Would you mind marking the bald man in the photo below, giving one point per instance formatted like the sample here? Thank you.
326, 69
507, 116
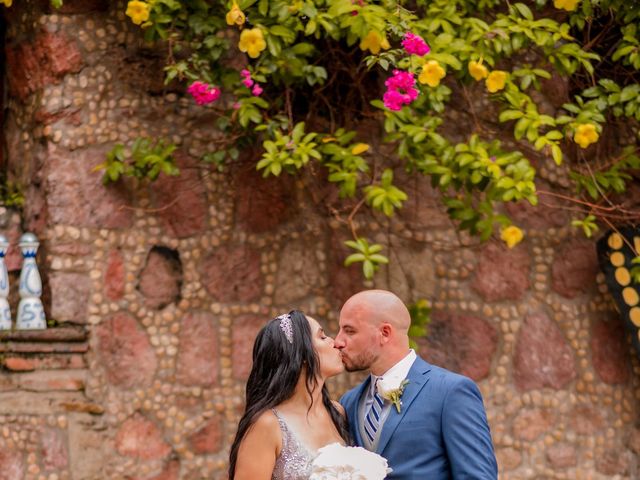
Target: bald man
436, 428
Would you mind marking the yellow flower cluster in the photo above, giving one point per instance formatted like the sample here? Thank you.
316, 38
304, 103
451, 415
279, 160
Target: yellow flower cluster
138, 11
512, 236
431, 73
477, 70
374, 42
252, 42
586, 134
496, 80
568, 5
235, 16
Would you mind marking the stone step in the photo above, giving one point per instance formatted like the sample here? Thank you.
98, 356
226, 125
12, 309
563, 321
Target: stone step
37, 347
55, 334
51, 361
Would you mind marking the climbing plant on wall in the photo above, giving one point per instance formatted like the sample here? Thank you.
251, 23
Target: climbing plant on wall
314, 69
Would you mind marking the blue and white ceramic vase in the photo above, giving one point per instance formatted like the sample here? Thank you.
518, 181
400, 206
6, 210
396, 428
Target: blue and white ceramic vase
5, 311
30, 311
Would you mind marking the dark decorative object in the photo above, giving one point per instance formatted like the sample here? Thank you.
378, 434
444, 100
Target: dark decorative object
616, 251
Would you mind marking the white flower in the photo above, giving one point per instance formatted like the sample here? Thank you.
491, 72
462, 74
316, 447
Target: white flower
336, 462
391, 388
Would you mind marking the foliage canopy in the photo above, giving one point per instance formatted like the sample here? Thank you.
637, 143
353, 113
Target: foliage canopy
316, 70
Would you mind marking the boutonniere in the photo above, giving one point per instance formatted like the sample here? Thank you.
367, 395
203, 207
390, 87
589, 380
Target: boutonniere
392, 390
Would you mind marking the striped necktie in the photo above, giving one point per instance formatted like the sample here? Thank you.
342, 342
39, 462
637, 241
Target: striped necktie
372, 419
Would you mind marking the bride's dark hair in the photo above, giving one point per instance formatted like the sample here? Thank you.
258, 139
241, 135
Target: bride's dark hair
277, 365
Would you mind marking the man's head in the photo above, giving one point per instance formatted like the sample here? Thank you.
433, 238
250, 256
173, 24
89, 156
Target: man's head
373, 331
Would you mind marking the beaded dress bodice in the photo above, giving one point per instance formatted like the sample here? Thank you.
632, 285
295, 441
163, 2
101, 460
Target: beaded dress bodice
294, 461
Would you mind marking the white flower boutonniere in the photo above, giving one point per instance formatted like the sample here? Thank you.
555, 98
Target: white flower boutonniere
392, 389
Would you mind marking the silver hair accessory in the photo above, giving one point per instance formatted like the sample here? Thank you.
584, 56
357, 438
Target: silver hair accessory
285, 326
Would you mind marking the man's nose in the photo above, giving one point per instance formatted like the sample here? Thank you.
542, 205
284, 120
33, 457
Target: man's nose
338, 342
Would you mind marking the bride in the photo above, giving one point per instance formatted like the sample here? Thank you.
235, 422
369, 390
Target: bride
288, 414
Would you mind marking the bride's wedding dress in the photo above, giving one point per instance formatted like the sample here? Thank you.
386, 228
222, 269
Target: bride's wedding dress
294, 461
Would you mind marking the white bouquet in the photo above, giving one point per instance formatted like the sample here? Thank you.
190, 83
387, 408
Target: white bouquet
336, 462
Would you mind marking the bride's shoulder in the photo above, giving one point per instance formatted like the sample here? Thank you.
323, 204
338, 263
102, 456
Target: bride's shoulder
267, 421
338, 407
265, 429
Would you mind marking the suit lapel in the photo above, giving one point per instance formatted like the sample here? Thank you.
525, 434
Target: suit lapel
352, 413
418, 378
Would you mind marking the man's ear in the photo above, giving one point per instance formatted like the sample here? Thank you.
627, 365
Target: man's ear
386, 330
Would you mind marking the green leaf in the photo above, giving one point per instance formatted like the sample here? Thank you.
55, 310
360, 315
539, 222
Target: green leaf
524, 10
510, 115
556, 153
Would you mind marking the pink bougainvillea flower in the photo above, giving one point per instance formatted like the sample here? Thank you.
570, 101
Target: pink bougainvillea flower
247, 81
400, 80
393, 100
203, 93
401, 90
257, 90
415, 45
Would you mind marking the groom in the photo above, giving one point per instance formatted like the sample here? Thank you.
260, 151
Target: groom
427, 422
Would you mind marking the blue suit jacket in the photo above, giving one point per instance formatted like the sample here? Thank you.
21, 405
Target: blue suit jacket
441, 431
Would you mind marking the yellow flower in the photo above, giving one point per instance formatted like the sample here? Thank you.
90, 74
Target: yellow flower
431, 73
235, 16
252, 42
568, 5
511, 236
477, 70
138, 11
7, 3
585, 135
496, 80
373, 42
359, 148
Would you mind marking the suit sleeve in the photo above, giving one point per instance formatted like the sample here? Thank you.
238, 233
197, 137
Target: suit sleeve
466, 433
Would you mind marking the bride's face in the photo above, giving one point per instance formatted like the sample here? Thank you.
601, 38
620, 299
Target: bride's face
329, 356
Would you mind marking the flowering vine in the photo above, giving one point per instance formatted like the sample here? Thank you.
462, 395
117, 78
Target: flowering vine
305, 73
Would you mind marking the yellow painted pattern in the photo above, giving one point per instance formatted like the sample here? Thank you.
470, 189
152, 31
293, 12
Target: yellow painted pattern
617, 259
615, 241
634, 315
623, 277
630, 296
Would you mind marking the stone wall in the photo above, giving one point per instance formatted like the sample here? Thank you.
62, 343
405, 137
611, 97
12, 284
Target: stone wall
156, 291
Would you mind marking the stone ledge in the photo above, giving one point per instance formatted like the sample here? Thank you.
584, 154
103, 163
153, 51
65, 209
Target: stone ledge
55, 347
25, 362
54, 334
58, 340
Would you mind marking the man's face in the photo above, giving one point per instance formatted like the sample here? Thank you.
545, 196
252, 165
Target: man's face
357, 340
